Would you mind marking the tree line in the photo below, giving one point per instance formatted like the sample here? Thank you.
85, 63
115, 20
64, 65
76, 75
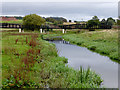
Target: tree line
34, 21
95, 22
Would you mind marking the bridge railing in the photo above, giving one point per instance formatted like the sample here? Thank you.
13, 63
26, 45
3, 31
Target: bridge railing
72, 26
85, 26
9, 25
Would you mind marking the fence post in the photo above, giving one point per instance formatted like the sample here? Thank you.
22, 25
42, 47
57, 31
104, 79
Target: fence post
41, 30
63, 31
19, 30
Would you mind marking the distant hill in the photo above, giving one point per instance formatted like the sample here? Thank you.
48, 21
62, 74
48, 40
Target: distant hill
19, 17
53, 19
59, 19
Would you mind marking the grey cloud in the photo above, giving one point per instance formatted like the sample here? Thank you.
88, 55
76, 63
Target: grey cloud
66, 9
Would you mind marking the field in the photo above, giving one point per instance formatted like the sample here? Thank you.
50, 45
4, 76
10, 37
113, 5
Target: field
16, 22
30, 62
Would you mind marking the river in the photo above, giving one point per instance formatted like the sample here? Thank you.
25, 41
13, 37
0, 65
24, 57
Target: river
80, 56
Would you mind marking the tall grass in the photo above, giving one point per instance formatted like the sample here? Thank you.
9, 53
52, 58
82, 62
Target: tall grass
105, 43
34, 63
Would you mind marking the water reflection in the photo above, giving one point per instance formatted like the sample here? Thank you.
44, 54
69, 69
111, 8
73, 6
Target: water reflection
80, 56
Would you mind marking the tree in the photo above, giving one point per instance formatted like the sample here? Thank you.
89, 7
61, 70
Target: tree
110, 21
56, 20
64, 20
93, 22
33, 21
70, 20
95, 18
50, 20
118, 22
103, 22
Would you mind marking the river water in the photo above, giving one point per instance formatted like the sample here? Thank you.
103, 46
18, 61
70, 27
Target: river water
80, 56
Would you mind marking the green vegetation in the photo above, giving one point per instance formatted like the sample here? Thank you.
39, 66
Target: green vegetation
104, 42
110, 21
56, 20
30, 62
33, 21
16, 22
95, 22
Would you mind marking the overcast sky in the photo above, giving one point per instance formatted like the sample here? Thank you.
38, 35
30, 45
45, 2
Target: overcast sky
60, 0
75, 10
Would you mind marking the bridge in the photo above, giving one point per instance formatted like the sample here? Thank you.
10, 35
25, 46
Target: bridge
48, 27
9, 25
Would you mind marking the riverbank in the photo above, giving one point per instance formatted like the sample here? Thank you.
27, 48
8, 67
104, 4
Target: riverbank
81, 56
30, 62
104, 42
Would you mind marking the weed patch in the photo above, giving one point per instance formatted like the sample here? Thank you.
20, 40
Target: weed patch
36, 64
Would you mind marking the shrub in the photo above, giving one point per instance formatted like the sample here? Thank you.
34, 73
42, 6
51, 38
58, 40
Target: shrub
92, 47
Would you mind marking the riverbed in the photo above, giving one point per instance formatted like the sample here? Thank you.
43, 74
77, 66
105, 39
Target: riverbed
81, 56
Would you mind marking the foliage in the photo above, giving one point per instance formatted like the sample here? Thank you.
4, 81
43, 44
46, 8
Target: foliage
103, 22
56, 20
118, 22
34, 63
110, 21
18, 17
50, 20
70, 20
93, 22
105, 43
33, 21
95, 18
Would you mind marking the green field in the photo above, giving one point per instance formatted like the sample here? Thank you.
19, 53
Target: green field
30, 62
16, 22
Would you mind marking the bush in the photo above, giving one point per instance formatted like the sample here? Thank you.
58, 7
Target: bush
92, 47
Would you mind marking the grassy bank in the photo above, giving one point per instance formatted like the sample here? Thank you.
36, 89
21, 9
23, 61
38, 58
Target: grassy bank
104, 42
30, 62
